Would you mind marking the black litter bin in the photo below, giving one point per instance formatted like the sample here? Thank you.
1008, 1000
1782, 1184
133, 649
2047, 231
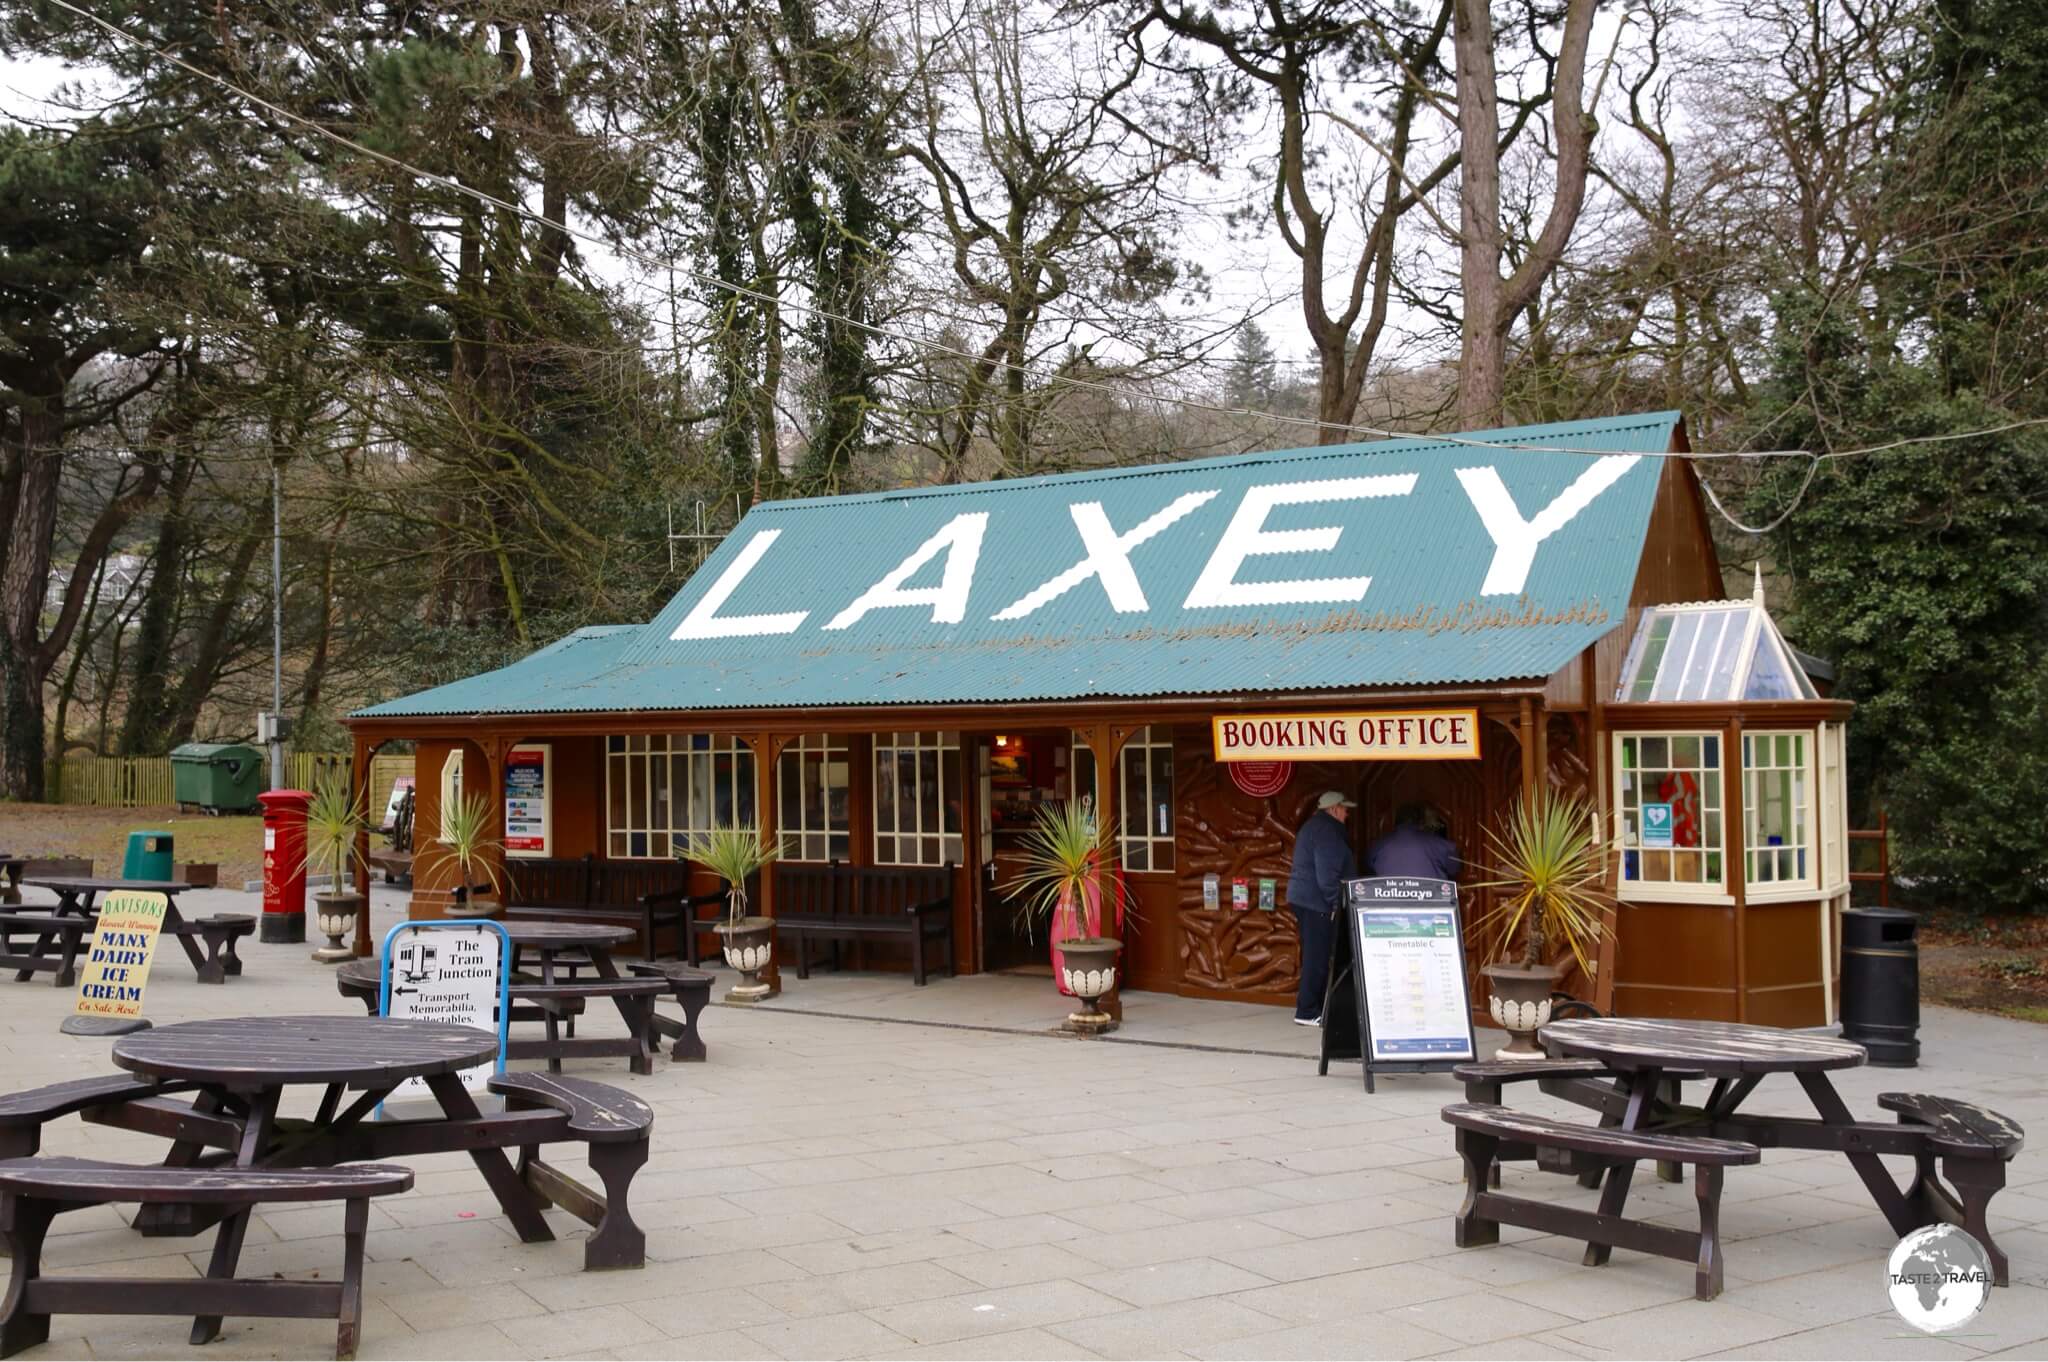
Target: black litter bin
1881, 984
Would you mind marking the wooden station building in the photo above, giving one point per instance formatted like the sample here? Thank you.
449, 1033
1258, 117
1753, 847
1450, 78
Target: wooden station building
903, 677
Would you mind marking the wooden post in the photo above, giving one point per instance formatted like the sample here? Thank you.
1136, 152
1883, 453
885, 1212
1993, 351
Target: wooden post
359, 790
767, 755
1525, 729
1735, 859
1107, 741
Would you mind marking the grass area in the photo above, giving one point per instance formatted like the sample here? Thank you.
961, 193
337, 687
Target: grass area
234, 843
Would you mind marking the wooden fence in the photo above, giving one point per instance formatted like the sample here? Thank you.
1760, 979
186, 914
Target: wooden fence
138, 782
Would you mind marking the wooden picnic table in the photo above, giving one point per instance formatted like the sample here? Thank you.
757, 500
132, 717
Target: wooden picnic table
559, 950
1737, 1057
76, 895
242, 1066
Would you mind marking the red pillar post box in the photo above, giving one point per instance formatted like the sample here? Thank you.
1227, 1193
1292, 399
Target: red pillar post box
284, 865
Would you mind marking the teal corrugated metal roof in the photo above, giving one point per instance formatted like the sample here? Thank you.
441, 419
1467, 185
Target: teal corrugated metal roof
1402, 562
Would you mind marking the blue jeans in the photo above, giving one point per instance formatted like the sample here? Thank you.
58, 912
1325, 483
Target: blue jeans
1315, 960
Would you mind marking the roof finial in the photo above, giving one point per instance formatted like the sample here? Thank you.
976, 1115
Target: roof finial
1758, 594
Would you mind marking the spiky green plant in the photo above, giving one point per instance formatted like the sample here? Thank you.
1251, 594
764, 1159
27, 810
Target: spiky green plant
1550, 866
334, 818
466, 839
1066, 863
735, 854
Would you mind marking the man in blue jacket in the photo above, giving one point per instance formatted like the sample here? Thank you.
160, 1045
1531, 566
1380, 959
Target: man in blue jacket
1315, 890
1416, 847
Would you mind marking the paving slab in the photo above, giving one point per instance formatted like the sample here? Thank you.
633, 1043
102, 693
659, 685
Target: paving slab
863, 1167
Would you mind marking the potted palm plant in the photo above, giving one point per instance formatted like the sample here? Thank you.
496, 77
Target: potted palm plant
736, 855
1068, 881
1550, 866
466, 840
334, 819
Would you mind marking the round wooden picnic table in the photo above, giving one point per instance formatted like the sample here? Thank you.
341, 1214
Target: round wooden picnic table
1737, 1057
242, 1065
251, 1054
562, 936
1716, 1049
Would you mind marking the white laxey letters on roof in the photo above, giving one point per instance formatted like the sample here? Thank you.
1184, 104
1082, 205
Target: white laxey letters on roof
1248, 537
1515, 539
960, 541
1107, 553
1108, 558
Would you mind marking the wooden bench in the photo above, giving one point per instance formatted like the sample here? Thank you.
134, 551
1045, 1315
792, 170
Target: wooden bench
220, 933
23, 1114
841, 903
587, 889
46, 927
1484, 1080
618, 1128
1484, 1128
634, 998
692, 991
33, 1192
1974, 1145
692, 920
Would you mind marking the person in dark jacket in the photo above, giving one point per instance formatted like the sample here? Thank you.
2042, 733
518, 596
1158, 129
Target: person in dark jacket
1417, 846
1315, 890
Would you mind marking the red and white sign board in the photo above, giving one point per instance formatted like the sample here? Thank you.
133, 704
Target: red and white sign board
527, 775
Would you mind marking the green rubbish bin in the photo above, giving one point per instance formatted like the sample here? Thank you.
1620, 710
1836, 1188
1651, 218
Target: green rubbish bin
218, 777
149, 856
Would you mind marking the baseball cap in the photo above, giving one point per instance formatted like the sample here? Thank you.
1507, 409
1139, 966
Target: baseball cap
1332, 798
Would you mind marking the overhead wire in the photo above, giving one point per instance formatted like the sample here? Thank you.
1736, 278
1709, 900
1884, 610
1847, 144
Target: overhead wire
1122, 392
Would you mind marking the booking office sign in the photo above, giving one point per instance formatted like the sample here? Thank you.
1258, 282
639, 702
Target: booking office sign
455, 971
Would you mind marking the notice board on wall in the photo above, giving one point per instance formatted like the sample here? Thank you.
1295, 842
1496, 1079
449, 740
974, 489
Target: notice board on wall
527, 824
1397, 996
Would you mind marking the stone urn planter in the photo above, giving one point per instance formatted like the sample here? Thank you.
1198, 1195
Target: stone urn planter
1088, 969
1518, 997
335, 914
749, 946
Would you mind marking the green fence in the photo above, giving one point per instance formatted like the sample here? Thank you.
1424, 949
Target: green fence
138, 782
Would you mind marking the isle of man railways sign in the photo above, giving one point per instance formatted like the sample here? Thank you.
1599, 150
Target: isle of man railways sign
1367, 735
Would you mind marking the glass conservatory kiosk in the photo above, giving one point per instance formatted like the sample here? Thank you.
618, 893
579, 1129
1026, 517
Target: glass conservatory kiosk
1729, 798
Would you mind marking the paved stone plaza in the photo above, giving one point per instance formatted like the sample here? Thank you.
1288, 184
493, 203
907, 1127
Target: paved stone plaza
832, 1184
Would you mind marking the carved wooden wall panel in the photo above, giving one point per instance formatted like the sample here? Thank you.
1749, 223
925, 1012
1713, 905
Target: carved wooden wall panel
1221, 830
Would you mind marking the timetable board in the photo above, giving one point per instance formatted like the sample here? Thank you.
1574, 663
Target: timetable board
1397, 996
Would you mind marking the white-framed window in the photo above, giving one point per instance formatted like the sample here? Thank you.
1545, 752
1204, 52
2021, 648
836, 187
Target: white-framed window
812, 782
1684, 847
917, 799
1145, 805
662, 787
1834, 806
1777, 810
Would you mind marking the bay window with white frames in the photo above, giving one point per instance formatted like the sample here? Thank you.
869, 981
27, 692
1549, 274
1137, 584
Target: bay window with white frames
1778, 814
1668, 812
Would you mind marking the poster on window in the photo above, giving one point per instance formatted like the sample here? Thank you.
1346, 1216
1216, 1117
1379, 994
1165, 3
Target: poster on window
526, 801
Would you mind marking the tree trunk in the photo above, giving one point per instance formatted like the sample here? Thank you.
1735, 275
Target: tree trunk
1491, 302
204, 668
24, 587
142, 731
